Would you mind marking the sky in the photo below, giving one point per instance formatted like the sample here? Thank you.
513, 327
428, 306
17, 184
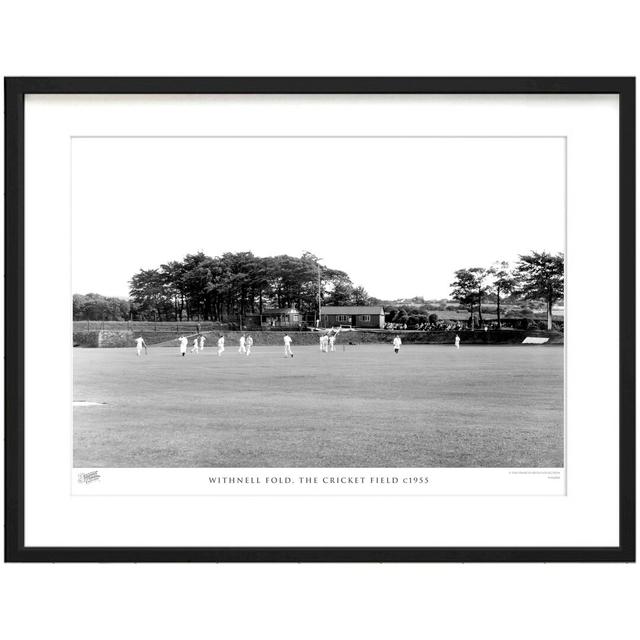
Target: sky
399, 215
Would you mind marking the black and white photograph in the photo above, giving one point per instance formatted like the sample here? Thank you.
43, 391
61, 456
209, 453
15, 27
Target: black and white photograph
318, 301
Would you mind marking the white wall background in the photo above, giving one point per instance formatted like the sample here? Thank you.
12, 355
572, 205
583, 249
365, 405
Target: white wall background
329, 38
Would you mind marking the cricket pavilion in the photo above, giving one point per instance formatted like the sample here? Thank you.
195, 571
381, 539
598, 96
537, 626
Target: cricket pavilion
371, 317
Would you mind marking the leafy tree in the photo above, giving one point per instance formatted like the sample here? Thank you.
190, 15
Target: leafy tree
93, 306
401, 316
235, 284
541, 277
463, 289
469, 288
503, 284
360, 297
482, 287
148, 290
342, 294
174, 281
198, 285
390, 313
78, 307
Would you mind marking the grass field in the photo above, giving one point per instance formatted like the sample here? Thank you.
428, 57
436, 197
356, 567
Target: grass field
430, 406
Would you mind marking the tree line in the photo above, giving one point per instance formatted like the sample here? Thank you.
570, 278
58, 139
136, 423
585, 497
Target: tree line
538, 276
202, 287
93, 306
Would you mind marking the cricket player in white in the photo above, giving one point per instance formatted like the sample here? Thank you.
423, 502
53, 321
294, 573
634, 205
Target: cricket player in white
202, 339
194, 348
287, 345
396, 344
249, 345
242, 348
457, 341
183, 345
139, 344
332, 340
220, 345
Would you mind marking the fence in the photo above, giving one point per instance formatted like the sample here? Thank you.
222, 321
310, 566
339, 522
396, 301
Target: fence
146, 326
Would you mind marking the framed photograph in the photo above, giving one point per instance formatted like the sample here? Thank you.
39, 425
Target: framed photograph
320, 319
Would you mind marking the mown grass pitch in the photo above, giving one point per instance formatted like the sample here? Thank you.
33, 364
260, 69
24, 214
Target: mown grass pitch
429, 406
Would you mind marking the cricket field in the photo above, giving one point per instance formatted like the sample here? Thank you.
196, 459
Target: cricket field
362, 406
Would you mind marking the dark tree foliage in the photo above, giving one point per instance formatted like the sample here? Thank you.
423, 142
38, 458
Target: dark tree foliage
222, 288
360, 297
470, 287
463, 289
504, 283
202, 287
93, 306
540, 276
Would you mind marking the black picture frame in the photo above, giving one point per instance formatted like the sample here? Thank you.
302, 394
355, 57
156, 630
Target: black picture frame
15, 91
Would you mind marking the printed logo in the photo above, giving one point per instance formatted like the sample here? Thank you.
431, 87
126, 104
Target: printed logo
86, 478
